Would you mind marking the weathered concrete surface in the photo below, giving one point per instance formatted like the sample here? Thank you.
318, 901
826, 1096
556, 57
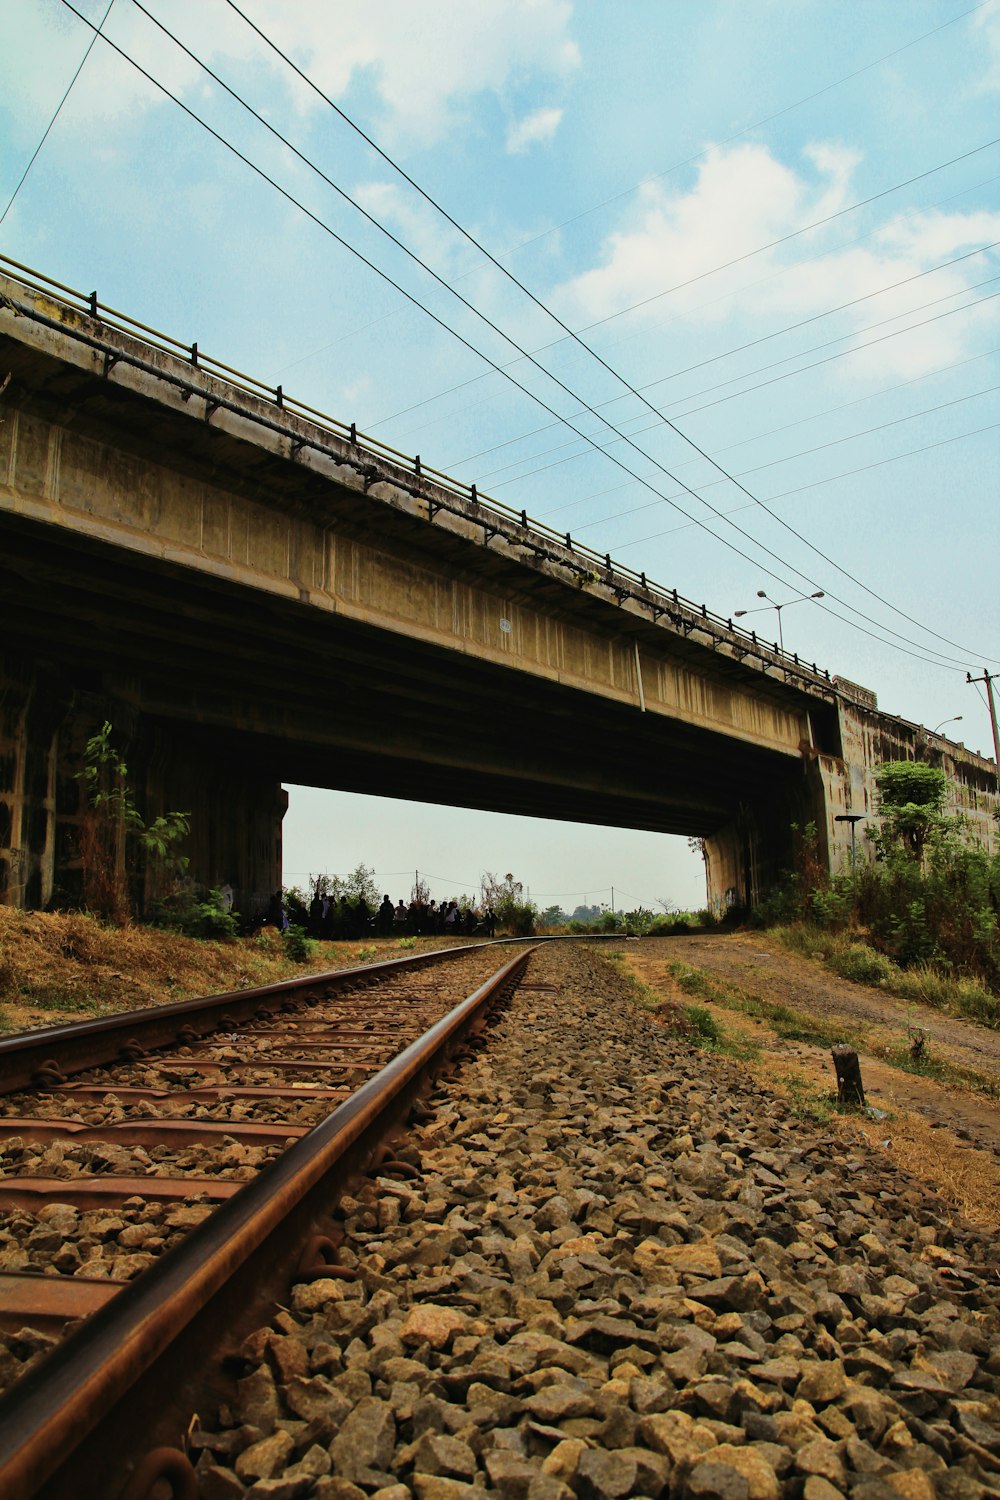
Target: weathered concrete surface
273, 602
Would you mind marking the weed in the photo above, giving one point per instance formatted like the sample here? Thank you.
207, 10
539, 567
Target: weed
407, 942
298, 946
862, 964
923, 1064
808, 1100
365, 955
705, 1029
692, 981
63, 1000
793, 1025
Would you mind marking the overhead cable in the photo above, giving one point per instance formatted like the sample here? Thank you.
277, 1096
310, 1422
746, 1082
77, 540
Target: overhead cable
748, 390
58, 109
454, 333
588, 349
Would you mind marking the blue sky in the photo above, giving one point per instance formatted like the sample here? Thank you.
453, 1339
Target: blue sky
777, 221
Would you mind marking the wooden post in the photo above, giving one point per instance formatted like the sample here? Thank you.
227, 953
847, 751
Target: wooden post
850, 1089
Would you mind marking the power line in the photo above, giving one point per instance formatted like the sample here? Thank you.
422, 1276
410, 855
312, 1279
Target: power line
787, 458
806, 260
62, 101
815, 484
748, 374
415, 301
757, 437
726, 140
587, 348
428, 198
775, 334
454, 333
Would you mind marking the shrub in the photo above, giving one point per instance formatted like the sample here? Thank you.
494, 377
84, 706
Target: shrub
299, 947
196, 916
862, 964
507, 901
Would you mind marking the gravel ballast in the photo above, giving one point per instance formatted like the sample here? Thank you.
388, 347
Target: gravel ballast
621, 1269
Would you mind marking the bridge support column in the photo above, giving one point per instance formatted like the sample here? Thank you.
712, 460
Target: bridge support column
746, 859
235, 803
30, 710
235, 808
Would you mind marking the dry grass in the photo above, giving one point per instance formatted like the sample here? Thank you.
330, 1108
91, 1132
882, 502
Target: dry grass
63, 966
966, 1179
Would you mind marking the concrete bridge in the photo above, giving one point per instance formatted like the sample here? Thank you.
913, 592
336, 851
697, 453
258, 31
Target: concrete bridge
252, 594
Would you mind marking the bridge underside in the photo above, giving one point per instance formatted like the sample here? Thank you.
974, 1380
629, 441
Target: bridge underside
223, 692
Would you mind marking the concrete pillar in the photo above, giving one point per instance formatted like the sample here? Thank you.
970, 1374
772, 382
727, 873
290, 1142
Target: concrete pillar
747, 857
236, 803
31, 706
235, 806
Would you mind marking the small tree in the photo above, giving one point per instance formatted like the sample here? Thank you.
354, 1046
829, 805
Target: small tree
111, 823
507, 899
911, 799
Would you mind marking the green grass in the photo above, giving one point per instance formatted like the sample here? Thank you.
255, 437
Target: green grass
810, 1101
65, 1000
793, 1025
708, 1032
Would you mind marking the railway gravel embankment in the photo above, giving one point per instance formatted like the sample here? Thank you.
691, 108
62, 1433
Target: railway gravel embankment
622, 1268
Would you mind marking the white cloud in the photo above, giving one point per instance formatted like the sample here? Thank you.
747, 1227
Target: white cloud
540, 125
987, 23
427, 62
745, 198
742, 198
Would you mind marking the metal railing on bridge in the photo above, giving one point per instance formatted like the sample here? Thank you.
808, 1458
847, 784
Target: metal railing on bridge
593, 566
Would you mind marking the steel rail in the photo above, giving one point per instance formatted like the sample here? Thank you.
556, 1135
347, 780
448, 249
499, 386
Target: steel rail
135, 1365
78, 1045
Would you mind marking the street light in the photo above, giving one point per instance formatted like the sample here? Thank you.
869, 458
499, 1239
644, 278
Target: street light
956, 720
778, 607
854, 819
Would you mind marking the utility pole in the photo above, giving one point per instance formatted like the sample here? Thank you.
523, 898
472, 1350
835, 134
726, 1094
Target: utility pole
988, 678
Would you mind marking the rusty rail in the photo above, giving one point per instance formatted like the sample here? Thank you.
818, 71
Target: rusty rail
80, 1045
139, 1365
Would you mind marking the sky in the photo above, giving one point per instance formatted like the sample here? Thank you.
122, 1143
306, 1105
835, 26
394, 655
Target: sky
772, 226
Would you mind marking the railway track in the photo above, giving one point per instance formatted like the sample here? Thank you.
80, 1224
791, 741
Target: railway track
168, 1175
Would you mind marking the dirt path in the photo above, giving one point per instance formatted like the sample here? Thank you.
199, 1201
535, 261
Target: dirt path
753, 961
947, 1133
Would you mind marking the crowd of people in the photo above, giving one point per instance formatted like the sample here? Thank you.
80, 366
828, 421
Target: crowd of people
346, 919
